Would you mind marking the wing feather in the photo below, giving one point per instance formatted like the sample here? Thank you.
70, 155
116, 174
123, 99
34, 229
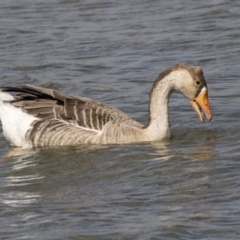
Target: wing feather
80, 111
83, 112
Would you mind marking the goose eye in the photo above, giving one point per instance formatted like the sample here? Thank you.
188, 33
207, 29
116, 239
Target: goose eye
198, 83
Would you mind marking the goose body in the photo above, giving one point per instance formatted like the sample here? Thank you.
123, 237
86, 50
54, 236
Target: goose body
37, 116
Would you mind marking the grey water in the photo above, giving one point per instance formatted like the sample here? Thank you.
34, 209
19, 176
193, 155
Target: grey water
112, 51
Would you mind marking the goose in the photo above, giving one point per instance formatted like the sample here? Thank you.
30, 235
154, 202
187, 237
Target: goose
34, 116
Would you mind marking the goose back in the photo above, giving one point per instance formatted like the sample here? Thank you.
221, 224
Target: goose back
63, 119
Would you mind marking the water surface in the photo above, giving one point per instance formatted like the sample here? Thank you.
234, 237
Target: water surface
112, 51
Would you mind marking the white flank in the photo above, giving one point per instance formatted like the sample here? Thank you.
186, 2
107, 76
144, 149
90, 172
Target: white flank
15, 122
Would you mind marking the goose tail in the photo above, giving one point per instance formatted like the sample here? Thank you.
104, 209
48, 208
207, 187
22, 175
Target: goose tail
15, 122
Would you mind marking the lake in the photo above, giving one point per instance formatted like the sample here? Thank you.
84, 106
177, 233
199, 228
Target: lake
185, 188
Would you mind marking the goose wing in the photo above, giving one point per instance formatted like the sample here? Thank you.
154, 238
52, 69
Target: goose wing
47, 104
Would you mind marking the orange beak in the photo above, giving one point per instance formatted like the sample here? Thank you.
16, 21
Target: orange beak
201, 103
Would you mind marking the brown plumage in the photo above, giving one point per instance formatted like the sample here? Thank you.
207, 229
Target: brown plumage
61, 119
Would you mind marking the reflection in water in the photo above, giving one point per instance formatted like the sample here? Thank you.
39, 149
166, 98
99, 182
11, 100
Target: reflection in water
20, 178
165, 150
162, 147
16, 153
18, 199
29, 167
203, 151
161, 150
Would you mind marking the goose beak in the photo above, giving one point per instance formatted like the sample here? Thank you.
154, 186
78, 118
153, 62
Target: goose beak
201, 104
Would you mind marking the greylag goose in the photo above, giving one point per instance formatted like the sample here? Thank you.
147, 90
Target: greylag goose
36, 116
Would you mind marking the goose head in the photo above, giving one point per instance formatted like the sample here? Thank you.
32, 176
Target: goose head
191, 83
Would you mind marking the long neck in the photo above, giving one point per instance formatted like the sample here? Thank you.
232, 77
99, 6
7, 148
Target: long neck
158, 126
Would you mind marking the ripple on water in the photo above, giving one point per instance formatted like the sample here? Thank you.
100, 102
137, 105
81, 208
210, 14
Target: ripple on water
184, 188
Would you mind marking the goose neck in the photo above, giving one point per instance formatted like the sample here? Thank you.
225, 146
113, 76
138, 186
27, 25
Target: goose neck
159, 126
